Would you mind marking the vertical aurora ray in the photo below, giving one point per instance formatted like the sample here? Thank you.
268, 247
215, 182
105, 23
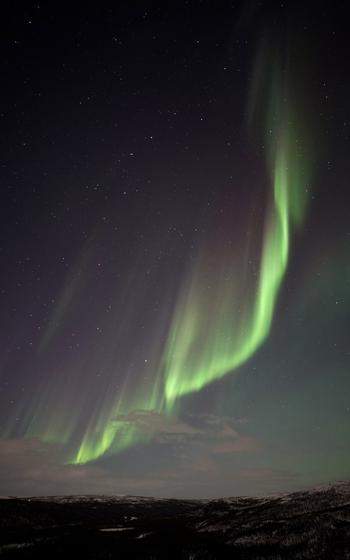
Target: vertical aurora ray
215, 331
113, 431
207, 341
110, 435
222, 316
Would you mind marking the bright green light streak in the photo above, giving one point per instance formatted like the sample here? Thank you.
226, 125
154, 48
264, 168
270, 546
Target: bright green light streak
211, 333
193, 359
113, 433
113, 437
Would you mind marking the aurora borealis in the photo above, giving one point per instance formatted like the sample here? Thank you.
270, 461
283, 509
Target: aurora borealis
175, 241
226, 335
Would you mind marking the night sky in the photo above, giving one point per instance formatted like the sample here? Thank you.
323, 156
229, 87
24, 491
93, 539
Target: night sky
175, 241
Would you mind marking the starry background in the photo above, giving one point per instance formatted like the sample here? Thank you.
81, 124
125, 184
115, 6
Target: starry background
124, 154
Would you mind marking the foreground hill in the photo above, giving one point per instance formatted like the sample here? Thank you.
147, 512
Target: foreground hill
312, 524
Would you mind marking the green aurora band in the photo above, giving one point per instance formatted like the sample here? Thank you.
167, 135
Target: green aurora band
207, 339
114, 432
226, 345
216, 325
210, 336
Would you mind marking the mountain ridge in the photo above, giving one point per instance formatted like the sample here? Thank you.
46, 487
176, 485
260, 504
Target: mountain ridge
312, 524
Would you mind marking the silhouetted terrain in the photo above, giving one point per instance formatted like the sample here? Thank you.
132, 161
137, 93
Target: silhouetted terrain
312, 524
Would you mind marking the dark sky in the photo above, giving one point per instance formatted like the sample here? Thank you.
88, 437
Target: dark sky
175, 236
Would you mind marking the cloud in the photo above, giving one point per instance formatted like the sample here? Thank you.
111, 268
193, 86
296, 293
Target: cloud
215, 462
156, 425
29, 467
193, 456
267, 475
218, 434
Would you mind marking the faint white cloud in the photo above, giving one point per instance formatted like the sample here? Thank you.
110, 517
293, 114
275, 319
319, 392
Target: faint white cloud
29, 467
